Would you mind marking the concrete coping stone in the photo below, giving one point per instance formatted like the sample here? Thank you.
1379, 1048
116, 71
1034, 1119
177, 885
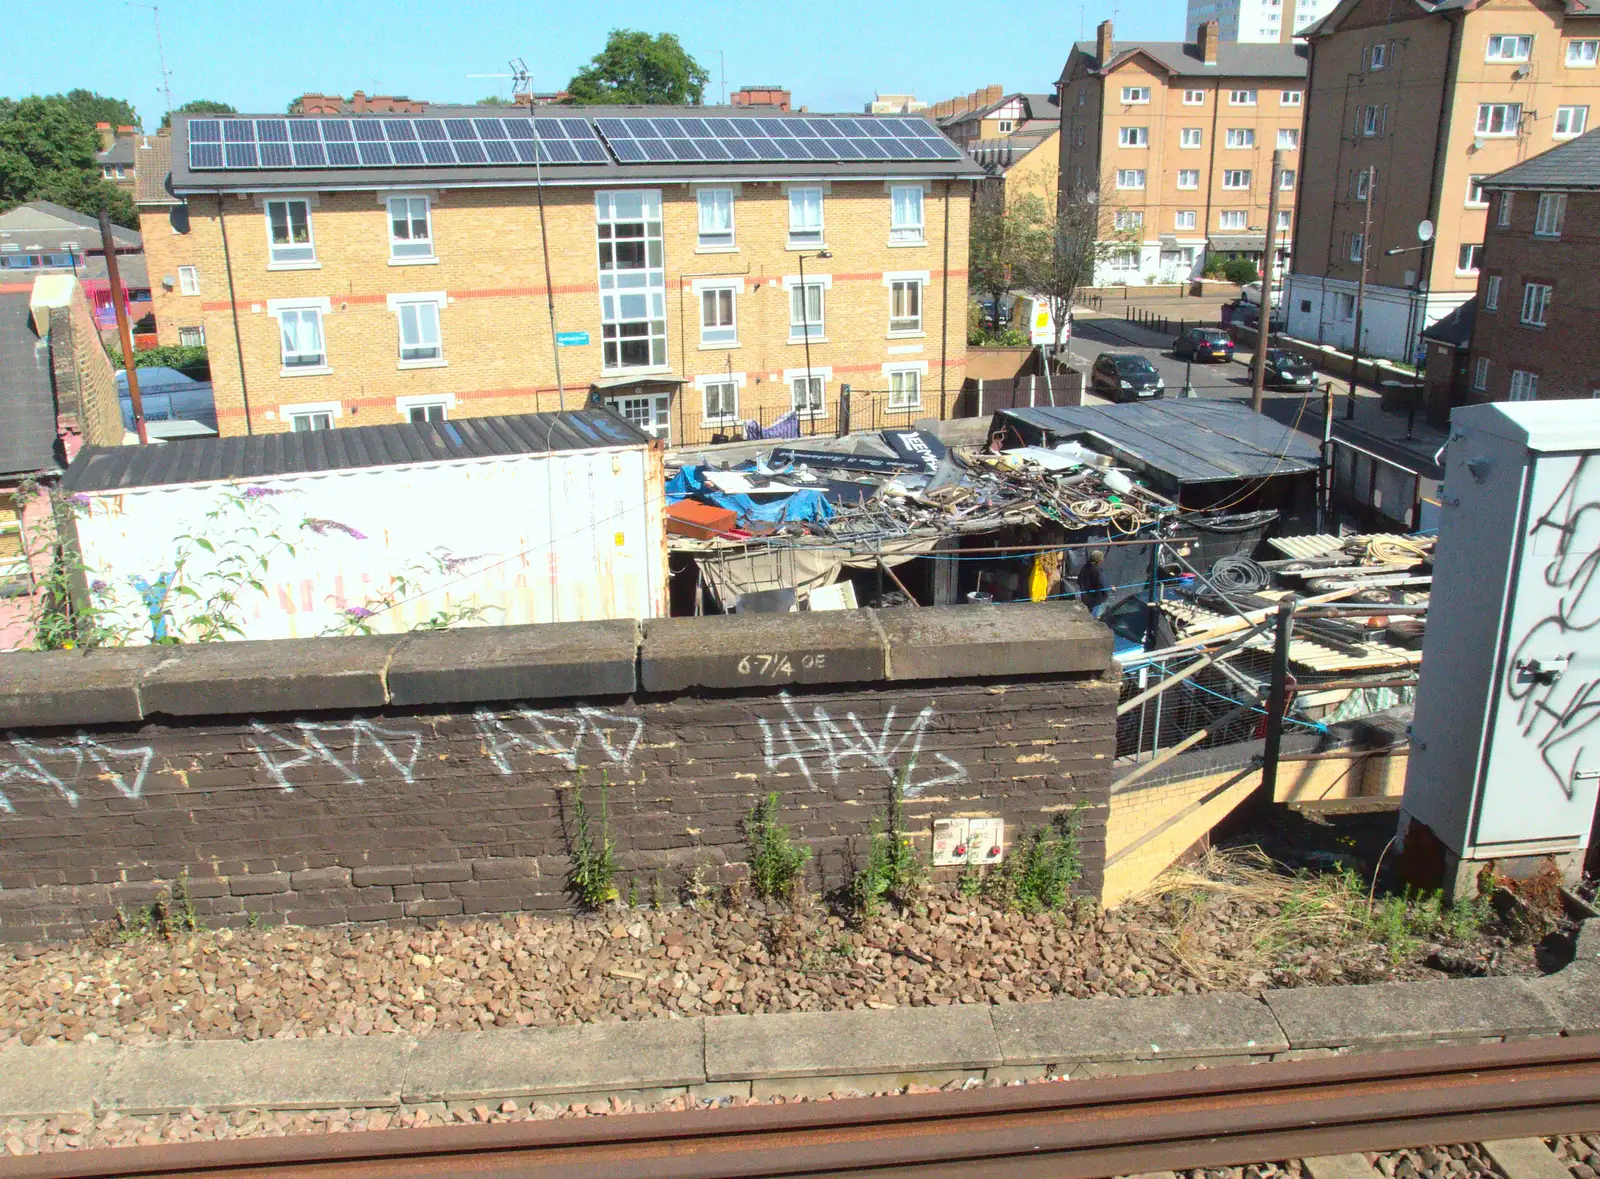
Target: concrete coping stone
761, 650
1394, 1013
945, 642
270, 675
48, 688
533, 662
835, 1043
1169, 1027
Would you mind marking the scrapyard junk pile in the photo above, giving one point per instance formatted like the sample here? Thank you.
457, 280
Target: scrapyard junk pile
795, 519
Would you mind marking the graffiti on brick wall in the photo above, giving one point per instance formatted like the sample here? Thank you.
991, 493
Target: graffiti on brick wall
339, 744
818, 746
561, 735
59, 766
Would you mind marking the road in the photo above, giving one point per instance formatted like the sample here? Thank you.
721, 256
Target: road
1094, 335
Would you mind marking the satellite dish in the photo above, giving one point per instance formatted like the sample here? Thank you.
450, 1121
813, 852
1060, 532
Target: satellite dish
1425, 231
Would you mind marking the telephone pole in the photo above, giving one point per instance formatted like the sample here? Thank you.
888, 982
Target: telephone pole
129, 365
1371, 177
1258, 370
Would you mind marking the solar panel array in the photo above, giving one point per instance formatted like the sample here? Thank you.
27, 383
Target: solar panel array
242, 144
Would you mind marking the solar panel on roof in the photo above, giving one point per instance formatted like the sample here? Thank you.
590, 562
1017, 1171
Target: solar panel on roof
310, 155
240, 155
590, 151
577, 128
239, 131
518, 128
397, 129
470, 153
628, 151
435, 152
375, 155
205, 155
459, 129
489, 128
335, 131
342, 155
276, 155
304, 131
560, 151
430, 129
205, 131
500, 151
368, 131
527, 150
665, 128
272, 131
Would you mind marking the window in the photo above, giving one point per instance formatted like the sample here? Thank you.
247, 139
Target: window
1535, 303
289, 240
1189, 178
1189, 137
1524, 385
1285, 219
1363, 178
1582, 55
419, 330
1467, 258
1491, 293
805, 311
1377, 55
1241, 98
1480, 373
1505, 47
1504, 218
1290, 98
1286, 180
1124, 260
410, 233
1128, 219
1236, 178
188, 280
1130, 178
905, 305
719, 401
1184, 219
1004, 126
1134, 137
1194, 98
1499, 118
1133, 94
1083, 96
300, 330
633, 288
1233, 219
805, 395
716, 218
1571, 120
905, 217
905, 388
428, 411
305, 423
1346, 304
805, 217
1476, 199
1369, 121
1552, 212
1241, 136
192, 337
719, 324
1288, 139
1356, 252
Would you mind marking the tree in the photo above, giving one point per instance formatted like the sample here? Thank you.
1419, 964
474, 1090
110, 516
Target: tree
635, 67
198, 106
1008, 240
47, 152
495, 100
95, 108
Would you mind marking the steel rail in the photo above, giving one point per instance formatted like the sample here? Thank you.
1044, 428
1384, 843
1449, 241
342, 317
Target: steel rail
1071, 1130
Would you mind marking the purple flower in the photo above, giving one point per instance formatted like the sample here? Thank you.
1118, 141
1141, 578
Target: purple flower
359, 613
99, 587
261, 492
80, 500
322, 527
456, 564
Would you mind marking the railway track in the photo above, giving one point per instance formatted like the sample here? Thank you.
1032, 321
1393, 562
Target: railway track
1075, 1130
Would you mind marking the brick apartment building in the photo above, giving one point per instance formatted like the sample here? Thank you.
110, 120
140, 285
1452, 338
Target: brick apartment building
116, 158
1435, 97
1537, 330
338, 292
1180, 136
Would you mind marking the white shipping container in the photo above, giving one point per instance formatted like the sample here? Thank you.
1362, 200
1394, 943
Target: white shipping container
551, 537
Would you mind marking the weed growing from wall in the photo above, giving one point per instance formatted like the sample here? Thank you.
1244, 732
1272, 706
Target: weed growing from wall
894, 870
594, 855
776, 864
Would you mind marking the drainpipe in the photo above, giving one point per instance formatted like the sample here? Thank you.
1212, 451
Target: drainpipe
944, 327
233, 304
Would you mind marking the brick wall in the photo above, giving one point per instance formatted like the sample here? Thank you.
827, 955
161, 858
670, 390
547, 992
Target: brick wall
426, 799
85, 380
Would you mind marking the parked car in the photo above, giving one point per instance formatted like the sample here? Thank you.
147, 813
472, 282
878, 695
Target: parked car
1125, 376
1285, 370
1244, 316
1251, 293
1203, 344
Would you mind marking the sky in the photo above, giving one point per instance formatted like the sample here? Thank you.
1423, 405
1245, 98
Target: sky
832, 54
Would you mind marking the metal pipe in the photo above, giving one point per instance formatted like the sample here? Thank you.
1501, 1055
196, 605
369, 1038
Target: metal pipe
1361, 283
119, 306
1277, 700
1189, 670
233, 307
1258, 367
549, 283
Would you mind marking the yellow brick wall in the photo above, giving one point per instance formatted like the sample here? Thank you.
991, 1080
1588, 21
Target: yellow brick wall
164, 251
495, 328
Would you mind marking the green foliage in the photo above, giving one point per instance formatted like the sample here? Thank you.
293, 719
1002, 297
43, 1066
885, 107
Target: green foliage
1008, 243
776, 864
92, 108
47, 152
894, 870
594, 857
171, 913
1235, 270
203, 106
184, 357
635, 67
495, 100
70, 608
401, 588
1400, 923
1043, 866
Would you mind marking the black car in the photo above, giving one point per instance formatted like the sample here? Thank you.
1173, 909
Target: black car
1203, 344
1124, 376
1285, 370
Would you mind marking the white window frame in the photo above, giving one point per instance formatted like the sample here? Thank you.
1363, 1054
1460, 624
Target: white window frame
1570, 122
1476, 258
1286, 179
1370, 124
1185, 219
1241, 138
1524, 385
290, 255
821, 377
1233, 220
1125, 177
1552, 214
1003, 126
805, 236
310, 410
322, 307
1345, 305
188, 280
1583, 53
410, 250
798, 332
1192, 175
903, 232
1133, 137
1520, 44
1475, 185
1378, 56
409, 306
1236, 179
1123, 260
1288, 139
1510, 120
446, 402
1491, 293
723, 336
1291, 98
715, 239
1191, 137
720, 380
1357, 241
1503, 214
908, 325
917, 372
1362, 183
1480, 373
1536, 304
1194, 98
1241, 98
1123, 220
199, 340
1135, 95
626, 291
1285, 219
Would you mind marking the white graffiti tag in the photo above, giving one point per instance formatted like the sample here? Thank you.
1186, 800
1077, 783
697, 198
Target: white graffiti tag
312, 749
558, 734
819, 745
31, 768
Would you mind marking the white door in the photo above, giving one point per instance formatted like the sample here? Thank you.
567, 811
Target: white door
649, 412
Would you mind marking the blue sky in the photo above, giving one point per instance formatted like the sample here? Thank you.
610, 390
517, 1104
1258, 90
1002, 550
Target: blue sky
831, 53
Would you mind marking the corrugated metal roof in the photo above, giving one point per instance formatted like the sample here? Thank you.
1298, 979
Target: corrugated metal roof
1192, 441
203, 460
27, 399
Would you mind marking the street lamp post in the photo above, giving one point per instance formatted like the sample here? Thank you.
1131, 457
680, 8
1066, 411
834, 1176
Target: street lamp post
805, 326
1425, 235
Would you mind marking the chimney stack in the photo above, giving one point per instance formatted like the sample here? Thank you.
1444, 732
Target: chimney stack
1103, 42
105, 135
993, 94
1207, 36
1286, 34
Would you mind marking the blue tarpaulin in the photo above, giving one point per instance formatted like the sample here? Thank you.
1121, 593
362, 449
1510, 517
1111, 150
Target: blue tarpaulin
805, 504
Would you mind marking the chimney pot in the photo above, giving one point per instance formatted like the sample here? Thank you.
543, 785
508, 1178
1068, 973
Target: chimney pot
1103, 42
